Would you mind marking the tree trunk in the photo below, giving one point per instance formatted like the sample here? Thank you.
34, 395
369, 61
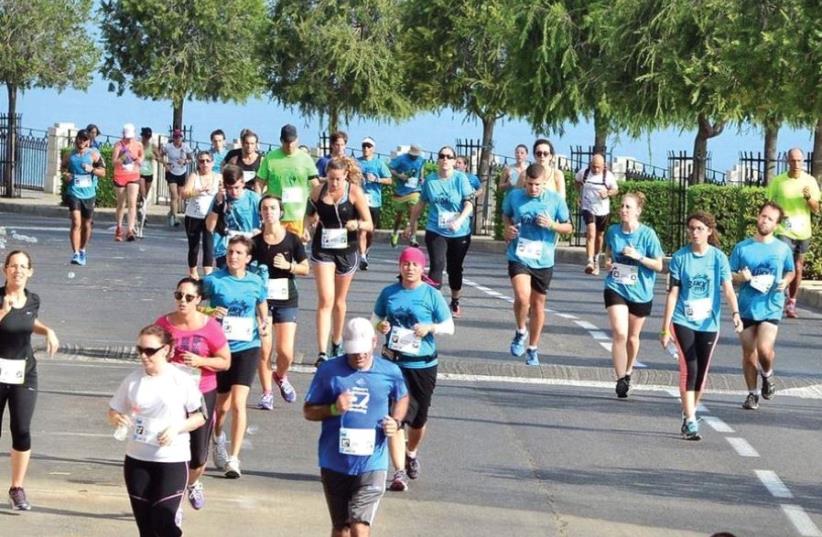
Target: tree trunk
486, 155
705, 131
10, 166
816, 166
771, 133
600, 133
177, 121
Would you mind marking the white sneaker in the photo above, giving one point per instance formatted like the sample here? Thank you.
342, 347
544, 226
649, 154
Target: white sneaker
219, 453
232, 468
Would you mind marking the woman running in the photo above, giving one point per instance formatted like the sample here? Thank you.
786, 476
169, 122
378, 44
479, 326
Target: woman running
200, 189
128, 157
202, 349
19, 309
511, 174
544, 155
448, 230
699, 275
284, 255
633, 257
156, 407
341, 212
176, 155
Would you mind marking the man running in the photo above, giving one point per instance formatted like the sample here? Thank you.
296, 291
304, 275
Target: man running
338, 141
248, 159
764, 267
596, 185
406, 170
375, 174
235, 212
798, 194
81, 170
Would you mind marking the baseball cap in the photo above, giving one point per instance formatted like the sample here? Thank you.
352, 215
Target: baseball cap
415, 150
368, 140
82, 134
176, 133
358, 336
128, 130
288, 133
146, 131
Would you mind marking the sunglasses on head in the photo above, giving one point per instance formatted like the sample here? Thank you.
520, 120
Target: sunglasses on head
180, 296
542, 153
148, 351
443, 156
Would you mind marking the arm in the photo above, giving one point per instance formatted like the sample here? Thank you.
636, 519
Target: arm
262, 318
319, 412
64, 167
668, 314
505, 180
730, 298
211, 221
652, 263
99, 166
361, 205
559, 177
52, 343
445, 328
221, 361
188, 189
510, 231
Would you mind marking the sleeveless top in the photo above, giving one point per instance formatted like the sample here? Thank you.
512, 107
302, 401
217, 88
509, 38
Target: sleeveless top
333, 217
200, 205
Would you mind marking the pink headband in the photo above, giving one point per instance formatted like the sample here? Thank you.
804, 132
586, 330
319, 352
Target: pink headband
414, 255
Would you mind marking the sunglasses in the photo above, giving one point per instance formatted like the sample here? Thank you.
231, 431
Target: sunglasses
179, 296
368, 145
206, 161
542, 153
148, 351
443, 156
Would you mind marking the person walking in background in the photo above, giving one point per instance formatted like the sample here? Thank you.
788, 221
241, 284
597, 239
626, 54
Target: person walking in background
199, 192
375, 175
511, 174
406, 171
176, 155
595, 184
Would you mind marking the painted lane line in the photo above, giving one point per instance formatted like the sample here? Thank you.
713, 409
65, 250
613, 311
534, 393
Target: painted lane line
740, 445
801, 521
718, 425
599, 336
586, 325
774, 485
567, 316
609, 347
701, 408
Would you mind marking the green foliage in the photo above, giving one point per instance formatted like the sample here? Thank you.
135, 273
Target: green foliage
106, 195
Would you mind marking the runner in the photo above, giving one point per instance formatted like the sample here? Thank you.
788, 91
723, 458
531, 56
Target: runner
798, 194
633, 257
360, 402
248, 159
338, 142
150, 154
156, 407
699, 274
595, 185
533, 218
461, 165
239, 299
93, 132
375, 174
200, 349
199, 191
341, 213
511, 174
128, 157
217, 150
406, 170
176, 155
544, 155
236, 151
235, 211
764, 267
288, 173
82, 169
284, 256
19, 309
410, 313
447, 232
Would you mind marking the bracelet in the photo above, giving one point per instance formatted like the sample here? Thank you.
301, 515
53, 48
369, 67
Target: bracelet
664, 333
734, 313
334, 410
291, 268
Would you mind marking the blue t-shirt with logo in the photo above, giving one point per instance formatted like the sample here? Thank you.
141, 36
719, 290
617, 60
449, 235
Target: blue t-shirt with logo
217, 158
404, 308
445, 198
410, 166
535, 245
83, 184
373, 189
474, 180
700, 279
629, 278
373, 390
240, 297
242, 215
759, 299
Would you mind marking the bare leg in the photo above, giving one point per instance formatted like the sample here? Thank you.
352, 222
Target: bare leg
521, 284
537, 320
618, 316
324, 279
19, 466
341, 285
635, 325
239, 397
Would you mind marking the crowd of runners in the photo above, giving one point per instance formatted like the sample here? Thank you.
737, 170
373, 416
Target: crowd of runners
256, 222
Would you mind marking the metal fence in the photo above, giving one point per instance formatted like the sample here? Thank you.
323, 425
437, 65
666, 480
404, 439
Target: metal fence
752, 166
31, 156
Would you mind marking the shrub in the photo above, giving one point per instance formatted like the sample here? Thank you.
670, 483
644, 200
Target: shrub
106, 196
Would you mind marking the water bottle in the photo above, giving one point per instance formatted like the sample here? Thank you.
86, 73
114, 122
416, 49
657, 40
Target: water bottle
672, 350
121, 433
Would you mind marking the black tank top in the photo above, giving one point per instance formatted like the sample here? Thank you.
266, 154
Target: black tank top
334, 217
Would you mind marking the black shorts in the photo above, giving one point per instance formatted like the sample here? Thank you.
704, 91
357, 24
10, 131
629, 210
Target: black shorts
178, 180
199, 438
798, 247
352, 498
86, 207
345, 264
540, 277
281, 314
147, 178
601, 221
421, 384
637, 309
242, 370
375, 216
747, 323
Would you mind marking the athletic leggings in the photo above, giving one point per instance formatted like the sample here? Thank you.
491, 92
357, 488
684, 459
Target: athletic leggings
195, 228
448, 251
199, 437
695, 352
21, 399
155, 490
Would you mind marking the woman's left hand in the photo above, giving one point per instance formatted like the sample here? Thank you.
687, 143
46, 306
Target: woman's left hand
738, 324
352, 225
456, 224
422, 330
52, 343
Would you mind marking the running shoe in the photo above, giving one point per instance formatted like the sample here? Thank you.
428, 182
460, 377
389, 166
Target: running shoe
532, 357
595, 272
141, 211
589, 268
413, 243
790, 309
219, 452
768, 387
170, 220
395, 239
622, 387
456, 310
400, 482
83, 258
76, 259
363, 262
412, 467
627, 378
336, 349
518, 344
232, 468
266, 401
176, 221
751, 402
131, 236
287, 391
321, 358
118, 234
684, 426
691, 431
17, 499
196, 496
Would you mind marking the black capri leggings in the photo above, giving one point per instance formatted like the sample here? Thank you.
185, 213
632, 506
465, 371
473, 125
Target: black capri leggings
199, 437
155, 490
21, 399
448, 251
695, 352
195, 228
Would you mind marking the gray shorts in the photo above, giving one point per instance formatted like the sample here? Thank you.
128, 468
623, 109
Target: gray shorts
352, 498
798, 247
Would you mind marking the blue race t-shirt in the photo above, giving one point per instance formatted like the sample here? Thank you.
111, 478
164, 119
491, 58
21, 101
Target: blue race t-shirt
412, 167
373, 189
445, 198
474, 180
759, 299
535, 245
628, 277
242, 216
374, 390
403, 308
83, 184
240, 297
700, 279
217, 158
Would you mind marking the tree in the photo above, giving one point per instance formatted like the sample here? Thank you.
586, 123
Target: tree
335, 59
43, 43
186, 49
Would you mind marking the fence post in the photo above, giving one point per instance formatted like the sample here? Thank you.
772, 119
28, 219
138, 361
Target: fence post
60, 135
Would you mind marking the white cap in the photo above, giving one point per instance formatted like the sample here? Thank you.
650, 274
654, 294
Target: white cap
415, 150
129, 130
368, 140
358, 336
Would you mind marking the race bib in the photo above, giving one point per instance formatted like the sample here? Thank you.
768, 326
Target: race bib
370, 197
794, 223
412, 182
194, 372
198, 207
625, 274
82, 181
404, 340
12, 371
529, 249
698, 309
357, 441
249, 176
146, 430
334, 239
277, 289
445, 219
128, 167
231, 233
293, 194
762, 282
238, 328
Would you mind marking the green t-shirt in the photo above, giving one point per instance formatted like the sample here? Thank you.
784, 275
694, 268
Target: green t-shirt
287, 178
787, 193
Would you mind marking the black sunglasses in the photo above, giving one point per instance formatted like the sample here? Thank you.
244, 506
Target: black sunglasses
368, 145
179, 296
442, 156
148, 351
542, 153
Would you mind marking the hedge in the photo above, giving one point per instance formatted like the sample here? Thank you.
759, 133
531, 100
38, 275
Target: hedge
106, 196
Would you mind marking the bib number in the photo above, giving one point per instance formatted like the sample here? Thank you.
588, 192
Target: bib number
529, 249
82, 181
762, 282
698, 309
445, 219
334, 239
238, 328
12, 371
198, 207
357, 441
404, 340
231, 233
292, 195
795, 224
412, 182
128, 167
249, 176
277, 289
625, 274
146, 430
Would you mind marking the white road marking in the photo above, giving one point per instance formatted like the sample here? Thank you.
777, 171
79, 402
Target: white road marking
801, 521
718, 425
567, 316
807, 392
774, 485
586, 325
742, 447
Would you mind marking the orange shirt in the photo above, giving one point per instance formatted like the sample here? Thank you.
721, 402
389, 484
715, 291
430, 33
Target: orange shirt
127, 170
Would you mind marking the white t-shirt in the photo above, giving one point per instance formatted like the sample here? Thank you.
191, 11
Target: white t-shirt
592, 185
153, 402
199, 205
175, 155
